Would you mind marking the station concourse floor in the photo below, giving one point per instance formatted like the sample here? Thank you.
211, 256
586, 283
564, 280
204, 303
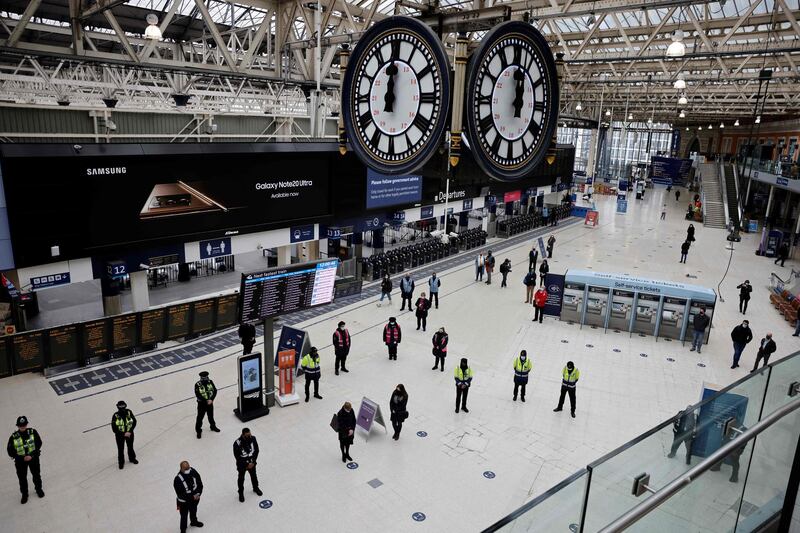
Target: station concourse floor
528, 447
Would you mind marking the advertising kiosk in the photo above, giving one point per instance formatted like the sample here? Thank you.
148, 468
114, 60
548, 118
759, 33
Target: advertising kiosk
636, 305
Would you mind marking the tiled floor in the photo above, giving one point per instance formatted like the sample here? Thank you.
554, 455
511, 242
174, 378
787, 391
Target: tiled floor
440, 474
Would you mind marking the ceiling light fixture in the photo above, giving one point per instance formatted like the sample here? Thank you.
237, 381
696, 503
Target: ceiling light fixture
680, 83
709, 126
721, 125
578, 107
630, 116
758, 119
736, 123
682, 100
682, 114
676, 47
608, 112
152, 31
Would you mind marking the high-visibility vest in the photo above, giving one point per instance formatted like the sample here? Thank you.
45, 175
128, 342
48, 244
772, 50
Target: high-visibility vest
310, 365
570, 378
521, 369
461, 376
206, 390
124, 425
24, 446
186, 485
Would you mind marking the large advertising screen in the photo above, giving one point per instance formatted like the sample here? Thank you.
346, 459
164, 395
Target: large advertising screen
276, 291
63, 344
251, 374
28, 351
104, 203
385, 191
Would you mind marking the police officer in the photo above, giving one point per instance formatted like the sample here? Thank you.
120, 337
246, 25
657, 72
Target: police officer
122, 424
341, 347
188, 489
25, 446
569, 378
522, 366
205, 391
247, 334
463, 375
245, 451
310, 365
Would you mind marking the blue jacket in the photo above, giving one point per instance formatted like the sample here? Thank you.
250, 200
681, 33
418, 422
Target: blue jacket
434, 284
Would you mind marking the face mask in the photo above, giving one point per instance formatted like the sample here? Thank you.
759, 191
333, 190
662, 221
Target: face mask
187, 471
204, 380
121, 409
523, 357
341, 328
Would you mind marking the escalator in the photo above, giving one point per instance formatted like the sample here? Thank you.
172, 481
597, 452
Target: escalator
732, 196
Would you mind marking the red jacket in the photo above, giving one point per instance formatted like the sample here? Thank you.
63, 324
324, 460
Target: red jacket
391, 335
539, 298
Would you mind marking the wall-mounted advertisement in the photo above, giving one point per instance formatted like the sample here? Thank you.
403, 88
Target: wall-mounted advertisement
110, 203
385, 191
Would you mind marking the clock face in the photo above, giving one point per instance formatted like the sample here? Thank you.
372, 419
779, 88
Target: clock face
395, 95
512, 100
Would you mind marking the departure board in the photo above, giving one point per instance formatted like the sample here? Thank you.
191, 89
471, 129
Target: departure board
28, 350
226, 310
178, 321
5, 362
123, 332
203, 316
276, 291
152, 328
63, 345
95, 338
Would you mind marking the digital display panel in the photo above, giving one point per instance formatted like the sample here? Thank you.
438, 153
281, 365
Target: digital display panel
28, 350
95, 338
277, 291
227, 307
151, 328
123, 331
203, 320
63, 344
251, 374
178, 321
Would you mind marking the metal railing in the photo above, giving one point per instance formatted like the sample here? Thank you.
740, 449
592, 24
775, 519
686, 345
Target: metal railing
723, 189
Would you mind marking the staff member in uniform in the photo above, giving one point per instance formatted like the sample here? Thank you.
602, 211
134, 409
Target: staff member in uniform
188, 488
522, 367
398, 404
392, 337
247, 334
122, 424
440, 340
245, 451
569, 378
310, 366
422, 305
25, 446
341, 347
463, 375
406, 291
205, 391
434, 283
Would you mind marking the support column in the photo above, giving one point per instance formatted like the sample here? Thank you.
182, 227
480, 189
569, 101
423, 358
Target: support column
285, 255
140, 293
377, 240
357, 238
311, 251
769, 202
590, 163
747, 194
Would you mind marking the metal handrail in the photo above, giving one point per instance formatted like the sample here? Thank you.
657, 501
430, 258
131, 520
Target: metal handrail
672, 488
739, 206
723, 190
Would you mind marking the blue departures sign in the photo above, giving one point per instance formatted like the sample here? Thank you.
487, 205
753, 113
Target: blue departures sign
50, 280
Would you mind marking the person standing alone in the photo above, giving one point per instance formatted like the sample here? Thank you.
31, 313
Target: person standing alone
310, 365
539, 300
392, 337
247, 335
522, 367
551, 242
346, 424
699, 325
406, 291
569, 379
205, 391
422, 306
684, 251
440, 340
741, 336
530, 286
505, 268
122, 424
463, 375
533, 256
433, 284
544, 269
744, 295
398, 404
25, 447
386, 289
245, 451
188, 489
341, 347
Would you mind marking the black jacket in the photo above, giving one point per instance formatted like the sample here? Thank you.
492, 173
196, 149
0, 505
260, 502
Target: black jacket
386, 285
37, 441
741, 335
440, 341
685, 424
685, 247
700, 322
197, 391
187, 485
505, 268
245, 452
422, 305
347, 421
533, 255
116, 415
766, 347
398, 410
744, 291
247, 332
341, 342
544, 268
690, 233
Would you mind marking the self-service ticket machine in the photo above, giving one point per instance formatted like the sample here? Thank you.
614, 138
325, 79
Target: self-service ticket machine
635, 305
645, 313
673, 312
596, 306
572, 303
621, 310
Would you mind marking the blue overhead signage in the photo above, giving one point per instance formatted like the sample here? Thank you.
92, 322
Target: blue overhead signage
669, 170
398, 216
426, 212
782, 181
467, 205
385, 191
301, 233
490, 200
333, 233
676, 141
51, 280
215, 248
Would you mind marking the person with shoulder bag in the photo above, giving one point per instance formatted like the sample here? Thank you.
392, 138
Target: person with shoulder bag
398, 403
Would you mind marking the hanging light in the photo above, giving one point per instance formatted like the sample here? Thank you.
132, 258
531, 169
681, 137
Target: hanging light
699, 128
758, 119
709, 126
687, 128
682, 114
608, 112
152, 31
736, 123
578, 107
630, 116
721, 125
680, 83
649, 120
676, 47
682, 100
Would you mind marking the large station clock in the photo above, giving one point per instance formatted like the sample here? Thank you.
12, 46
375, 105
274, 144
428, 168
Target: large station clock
396, 95
512, 100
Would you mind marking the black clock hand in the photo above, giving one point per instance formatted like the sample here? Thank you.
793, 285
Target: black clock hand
389, 97
519, 89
